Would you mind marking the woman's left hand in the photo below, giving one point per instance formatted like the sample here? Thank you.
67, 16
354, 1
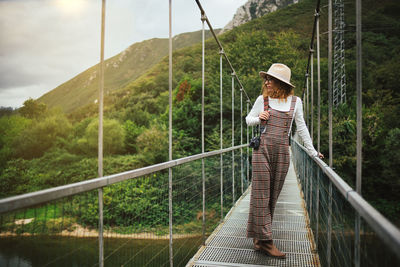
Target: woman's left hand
320, 155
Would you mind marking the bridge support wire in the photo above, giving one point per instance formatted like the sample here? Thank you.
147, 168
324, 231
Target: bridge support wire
330, 100
318, 82
312, 93
307, 103
203, 18
233, 138
220, 132
309, 107
247, 158
241, 139
359, 127
171, 253
100, 139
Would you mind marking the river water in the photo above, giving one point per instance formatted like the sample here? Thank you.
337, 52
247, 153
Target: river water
83, 251
69, 251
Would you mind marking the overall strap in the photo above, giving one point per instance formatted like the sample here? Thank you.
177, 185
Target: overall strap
292, 105
290, 114
266, 104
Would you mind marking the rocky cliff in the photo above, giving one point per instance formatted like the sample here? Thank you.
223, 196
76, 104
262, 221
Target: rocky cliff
254, 9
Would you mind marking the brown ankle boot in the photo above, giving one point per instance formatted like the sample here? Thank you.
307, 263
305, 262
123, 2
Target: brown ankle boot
256, 243
269, 248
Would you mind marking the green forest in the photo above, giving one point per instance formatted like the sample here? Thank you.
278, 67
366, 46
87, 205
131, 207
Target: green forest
42, 147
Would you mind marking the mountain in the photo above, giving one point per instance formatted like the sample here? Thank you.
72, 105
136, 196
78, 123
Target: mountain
254, 9
134, 61
120, 70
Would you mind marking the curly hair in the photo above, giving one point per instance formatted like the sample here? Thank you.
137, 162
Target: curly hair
283, 90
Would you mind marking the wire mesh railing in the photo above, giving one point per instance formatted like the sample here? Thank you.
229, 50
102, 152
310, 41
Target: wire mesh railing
333, 208
45, 234
64, 230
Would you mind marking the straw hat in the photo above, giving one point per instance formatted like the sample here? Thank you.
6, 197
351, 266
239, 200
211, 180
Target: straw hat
279, 71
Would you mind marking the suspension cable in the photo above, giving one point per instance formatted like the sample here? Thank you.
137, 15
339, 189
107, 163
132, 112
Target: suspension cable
311, 45
203, 14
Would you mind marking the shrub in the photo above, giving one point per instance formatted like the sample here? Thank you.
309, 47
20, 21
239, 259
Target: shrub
153, 144
33, 141
113, 138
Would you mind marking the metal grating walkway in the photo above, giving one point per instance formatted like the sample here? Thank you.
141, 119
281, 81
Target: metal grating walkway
228, 245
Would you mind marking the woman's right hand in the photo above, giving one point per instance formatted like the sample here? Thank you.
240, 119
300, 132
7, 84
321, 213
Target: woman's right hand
264, 115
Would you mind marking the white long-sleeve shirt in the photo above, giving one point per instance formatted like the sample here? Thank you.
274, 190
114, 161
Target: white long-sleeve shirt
281, 105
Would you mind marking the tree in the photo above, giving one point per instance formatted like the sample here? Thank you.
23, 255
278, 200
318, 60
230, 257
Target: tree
42, 135
153, 144
132, 131
390, 161
6, 111
113, 137
32, 109
10, 127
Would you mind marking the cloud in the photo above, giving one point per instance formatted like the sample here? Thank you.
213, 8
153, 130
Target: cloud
45, 43
12, 95
44, 47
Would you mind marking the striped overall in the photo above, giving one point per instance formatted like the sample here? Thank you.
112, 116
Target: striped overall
270, 165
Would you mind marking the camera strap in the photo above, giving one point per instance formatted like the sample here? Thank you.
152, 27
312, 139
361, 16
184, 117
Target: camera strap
263, 123
255, 141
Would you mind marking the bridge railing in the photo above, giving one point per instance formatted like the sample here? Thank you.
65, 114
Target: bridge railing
333, 206
135, 213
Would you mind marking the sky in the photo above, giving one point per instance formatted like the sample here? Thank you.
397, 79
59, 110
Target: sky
46, 43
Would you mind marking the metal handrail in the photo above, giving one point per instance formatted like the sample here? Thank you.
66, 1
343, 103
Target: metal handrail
46, 195
388, 232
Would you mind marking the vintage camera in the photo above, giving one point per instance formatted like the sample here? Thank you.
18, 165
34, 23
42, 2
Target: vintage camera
255, 142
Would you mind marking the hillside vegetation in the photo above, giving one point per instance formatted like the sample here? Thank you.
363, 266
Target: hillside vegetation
119, 70
137, 113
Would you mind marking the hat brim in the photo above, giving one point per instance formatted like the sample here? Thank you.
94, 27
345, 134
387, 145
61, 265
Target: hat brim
263, 75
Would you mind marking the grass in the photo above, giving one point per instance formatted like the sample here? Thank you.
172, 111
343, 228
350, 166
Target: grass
47, 221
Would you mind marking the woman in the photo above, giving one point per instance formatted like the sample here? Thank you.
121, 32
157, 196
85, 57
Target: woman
275, 110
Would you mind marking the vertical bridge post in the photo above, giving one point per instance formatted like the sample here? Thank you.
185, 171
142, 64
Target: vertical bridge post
312, 93
203, 18
100, 140
307, 101
233, 138
247, 132
221, 52
312, 123
359, 128
241, 139
329, 232
171, 253
319, 124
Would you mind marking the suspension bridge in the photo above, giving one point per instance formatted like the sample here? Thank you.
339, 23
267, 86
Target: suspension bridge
320, 220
